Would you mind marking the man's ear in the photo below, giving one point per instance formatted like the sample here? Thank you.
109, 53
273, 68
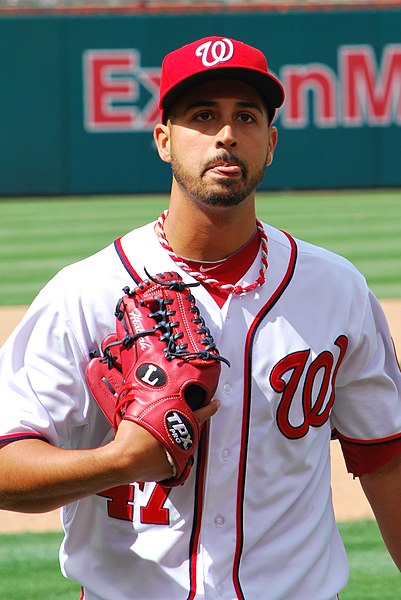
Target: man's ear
273, 136
161, 136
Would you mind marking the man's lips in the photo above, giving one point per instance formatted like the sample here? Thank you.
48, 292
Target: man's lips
225, 168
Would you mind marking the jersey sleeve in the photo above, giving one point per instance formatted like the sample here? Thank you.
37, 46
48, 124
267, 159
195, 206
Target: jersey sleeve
42, 389
366, 416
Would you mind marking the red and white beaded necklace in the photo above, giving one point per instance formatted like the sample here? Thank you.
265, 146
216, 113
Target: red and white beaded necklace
227, 287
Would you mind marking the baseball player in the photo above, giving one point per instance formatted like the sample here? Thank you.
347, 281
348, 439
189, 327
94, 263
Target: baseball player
310, 354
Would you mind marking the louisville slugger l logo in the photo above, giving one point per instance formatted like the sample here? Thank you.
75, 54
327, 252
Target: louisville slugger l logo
151, 374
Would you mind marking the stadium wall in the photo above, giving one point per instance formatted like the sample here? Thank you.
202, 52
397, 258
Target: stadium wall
79, 98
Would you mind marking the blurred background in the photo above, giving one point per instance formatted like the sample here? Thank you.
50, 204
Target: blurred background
78, 102
79, 85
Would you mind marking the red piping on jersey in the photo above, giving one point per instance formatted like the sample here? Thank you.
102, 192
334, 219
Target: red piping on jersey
378, 441
23, 435
198, 510
247, 410
126, 263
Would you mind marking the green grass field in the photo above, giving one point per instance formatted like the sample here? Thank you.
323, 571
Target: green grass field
29, 567
39, 236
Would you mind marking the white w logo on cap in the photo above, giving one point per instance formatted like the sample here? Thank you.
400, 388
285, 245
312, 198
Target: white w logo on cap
220, 51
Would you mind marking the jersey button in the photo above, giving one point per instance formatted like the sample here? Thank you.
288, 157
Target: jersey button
227, 388
219, 521
225, 455
220, 589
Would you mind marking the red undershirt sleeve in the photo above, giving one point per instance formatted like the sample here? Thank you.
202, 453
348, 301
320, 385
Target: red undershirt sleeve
365, 456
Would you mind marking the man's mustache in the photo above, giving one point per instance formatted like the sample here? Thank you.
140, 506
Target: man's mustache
225, 158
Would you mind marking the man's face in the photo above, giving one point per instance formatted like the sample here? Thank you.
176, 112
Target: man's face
220, 142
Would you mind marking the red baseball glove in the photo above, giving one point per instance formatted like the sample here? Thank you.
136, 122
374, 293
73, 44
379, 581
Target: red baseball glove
159, 366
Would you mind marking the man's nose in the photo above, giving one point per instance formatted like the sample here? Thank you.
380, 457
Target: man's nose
226, 137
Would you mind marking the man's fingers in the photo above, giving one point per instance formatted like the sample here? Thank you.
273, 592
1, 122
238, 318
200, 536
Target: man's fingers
204, 413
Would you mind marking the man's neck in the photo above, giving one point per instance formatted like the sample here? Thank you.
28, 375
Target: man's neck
209, 233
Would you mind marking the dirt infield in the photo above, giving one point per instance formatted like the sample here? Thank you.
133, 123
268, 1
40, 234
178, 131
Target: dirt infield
349, 501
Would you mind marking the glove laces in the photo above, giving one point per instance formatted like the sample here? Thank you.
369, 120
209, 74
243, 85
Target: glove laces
164, 314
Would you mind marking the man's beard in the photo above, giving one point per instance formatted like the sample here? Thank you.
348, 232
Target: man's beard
225, 192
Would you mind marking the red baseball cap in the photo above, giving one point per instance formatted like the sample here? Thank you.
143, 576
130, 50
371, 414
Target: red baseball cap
217, 58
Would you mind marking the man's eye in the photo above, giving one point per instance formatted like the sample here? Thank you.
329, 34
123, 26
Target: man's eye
203, 116
246, 118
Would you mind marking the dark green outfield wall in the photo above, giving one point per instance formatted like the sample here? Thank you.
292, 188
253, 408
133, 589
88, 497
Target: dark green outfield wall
78, 98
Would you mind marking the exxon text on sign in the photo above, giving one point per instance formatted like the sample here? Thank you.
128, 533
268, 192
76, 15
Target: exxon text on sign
121, 95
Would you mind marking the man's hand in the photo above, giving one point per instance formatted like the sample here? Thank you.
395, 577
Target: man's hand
141, 456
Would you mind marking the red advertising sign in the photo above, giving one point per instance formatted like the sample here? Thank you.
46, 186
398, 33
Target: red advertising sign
361, 92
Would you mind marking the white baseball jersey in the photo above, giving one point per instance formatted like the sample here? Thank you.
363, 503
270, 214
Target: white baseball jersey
310, 353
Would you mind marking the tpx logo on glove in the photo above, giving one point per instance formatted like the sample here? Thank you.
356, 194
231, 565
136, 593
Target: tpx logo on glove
151, 374
180, 430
